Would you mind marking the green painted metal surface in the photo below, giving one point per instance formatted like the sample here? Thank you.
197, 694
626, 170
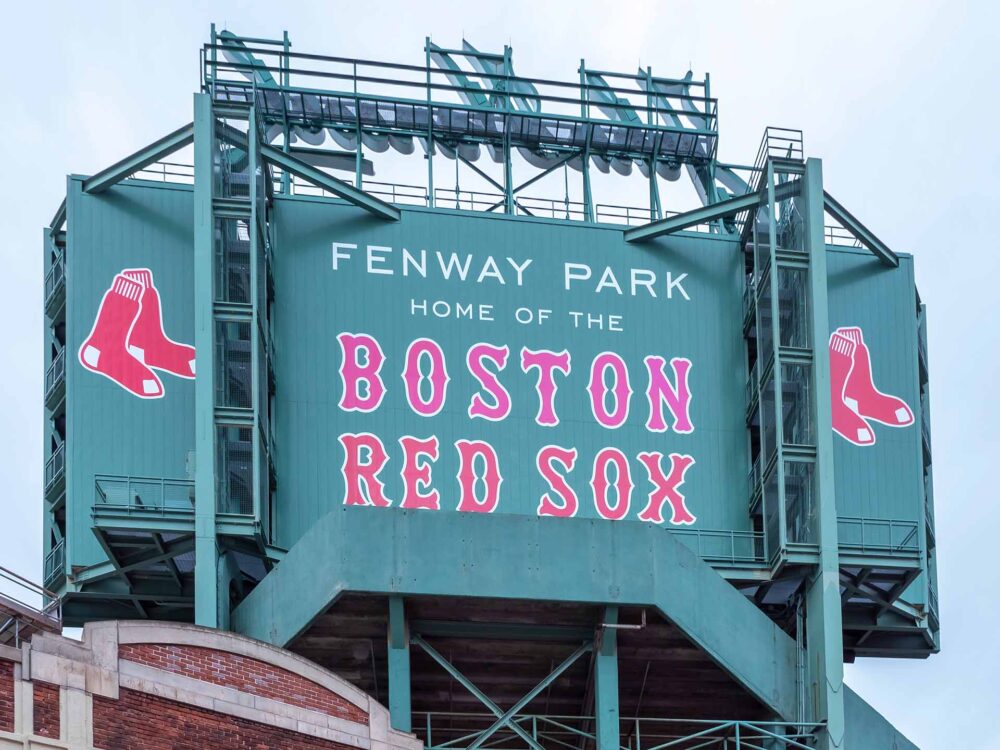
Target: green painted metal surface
395, 551
825, 644
698, 319
606, 708
110, 430
882, 480
206, 548
867, 729
400, 711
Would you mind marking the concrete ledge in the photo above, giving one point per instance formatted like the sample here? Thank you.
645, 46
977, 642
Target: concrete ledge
182, 634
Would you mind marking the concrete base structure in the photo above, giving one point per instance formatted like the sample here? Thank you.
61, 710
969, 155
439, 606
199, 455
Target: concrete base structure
165, 685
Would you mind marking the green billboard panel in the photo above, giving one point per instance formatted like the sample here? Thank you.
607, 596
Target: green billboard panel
130, 377
875, 395
476, 364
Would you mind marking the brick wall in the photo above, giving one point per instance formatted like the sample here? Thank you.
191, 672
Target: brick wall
140, 720
46, 709
242, 673
6, 696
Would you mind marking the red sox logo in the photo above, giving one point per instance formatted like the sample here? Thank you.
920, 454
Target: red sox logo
127, 341
855, 399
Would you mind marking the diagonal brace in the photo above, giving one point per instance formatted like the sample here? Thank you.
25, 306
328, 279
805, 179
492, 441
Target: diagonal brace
479, 694
140, 159
506, 717
321, 179
860, 231
711, 212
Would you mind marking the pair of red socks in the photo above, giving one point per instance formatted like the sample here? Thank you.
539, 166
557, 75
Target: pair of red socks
127, 342
855, 399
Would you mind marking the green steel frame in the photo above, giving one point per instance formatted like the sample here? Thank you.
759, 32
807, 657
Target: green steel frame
234, 126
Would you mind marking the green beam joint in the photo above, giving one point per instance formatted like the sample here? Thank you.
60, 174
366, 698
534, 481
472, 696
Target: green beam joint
709, 213
507, 717
400, 710
606, 682
140, 159
860, 231
321, 179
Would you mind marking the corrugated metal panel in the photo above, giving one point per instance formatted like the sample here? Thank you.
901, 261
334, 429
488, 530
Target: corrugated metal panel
881, 481
109, 430
314, 303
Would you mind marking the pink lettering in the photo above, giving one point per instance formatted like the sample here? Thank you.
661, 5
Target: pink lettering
600, 484
665, 488
416, 472
436, 376
469, 501
661, 390
361, 483
569, 504
547, 363
362, 388
500, 406
598, 390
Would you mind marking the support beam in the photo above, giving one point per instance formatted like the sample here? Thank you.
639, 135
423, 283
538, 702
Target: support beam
58, 220
606, 683
703, 215
501, 630
345, 551
860, 231
206, 591
117, 172
825, 651
321, 179
160, 552
400, 709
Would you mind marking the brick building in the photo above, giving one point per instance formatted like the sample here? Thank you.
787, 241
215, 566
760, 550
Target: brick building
159, 685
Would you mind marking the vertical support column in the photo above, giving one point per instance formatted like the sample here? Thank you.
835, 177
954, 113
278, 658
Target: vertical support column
824, 627
400, 711
606, 683
430, 125
206, 592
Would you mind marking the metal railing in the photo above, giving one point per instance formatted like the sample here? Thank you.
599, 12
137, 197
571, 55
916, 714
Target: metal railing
55, 467
932, 602
166, 171
878, 535
632, 216
836, 235
26, 608
776, 143
724, 546
457, 731
54, 279
55, 563
755, 480
327, 91
143, 495
55, 374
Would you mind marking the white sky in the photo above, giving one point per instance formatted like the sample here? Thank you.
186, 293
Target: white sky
898, 99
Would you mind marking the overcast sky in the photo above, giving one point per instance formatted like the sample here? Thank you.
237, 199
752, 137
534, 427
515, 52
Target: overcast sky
898, 99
